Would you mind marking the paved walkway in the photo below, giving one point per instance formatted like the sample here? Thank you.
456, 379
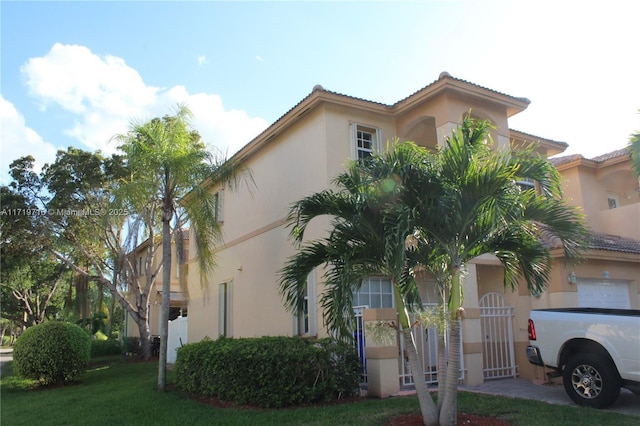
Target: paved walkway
6, 354
554, 393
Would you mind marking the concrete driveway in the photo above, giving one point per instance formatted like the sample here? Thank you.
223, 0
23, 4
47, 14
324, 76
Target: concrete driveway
627, 402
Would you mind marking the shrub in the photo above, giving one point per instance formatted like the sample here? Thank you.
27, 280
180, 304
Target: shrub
52, 352
269, 371
105, 347
131, 345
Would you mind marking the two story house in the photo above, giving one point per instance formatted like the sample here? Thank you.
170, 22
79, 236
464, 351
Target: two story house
179, 293
300, 154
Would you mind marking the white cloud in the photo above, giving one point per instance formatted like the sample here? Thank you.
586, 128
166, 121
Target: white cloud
202, 59
105, 95
227, 130
18, 140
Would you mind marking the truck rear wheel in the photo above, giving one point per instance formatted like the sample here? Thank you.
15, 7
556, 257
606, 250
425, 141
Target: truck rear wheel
591, 380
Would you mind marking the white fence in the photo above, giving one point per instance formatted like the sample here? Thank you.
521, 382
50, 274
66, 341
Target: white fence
358, 335
177, 337
427, 344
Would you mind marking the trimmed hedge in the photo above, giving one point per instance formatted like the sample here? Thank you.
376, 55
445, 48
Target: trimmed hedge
105, 347
269, 371
52, 352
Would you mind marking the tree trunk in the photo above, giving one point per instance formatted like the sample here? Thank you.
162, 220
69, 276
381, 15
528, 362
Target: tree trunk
442, 364
143, 327
427, 406
145, 339
449, 409
164, 312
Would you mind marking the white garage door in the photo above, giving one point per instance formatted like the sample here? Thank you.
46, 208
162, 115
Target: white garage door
595, 294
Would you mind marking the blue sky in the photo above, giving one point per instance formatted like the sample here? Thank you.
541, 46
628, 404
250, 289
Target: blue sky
76, 73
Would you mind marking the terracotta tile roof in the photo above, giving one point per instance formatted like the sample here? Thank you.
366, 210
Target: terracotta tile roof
595, 241
599, 159
615, 243
619, 153
445, 74
565, 159
534, 137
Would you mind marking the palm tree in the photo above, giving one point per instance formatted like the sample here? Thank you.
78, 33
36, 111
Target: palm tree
408, 209
481, 209
369, 226
172, 174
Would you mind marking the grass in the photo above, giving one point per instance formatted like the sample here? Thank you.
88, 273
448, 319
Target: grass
124, 393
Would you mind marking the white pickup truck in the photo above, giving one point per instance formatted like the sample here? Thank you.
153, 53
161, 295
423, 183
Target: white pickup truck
596, 351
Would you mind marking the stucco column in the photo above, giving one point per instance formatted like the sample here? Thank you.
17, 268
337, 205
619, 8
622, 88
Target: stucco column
472, 339
382, 358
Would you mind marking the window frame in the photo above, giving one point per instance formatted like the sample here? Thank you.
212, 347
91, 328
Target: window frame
365, 291
375, 140
225, 309
307, 323
526, 184
219, 205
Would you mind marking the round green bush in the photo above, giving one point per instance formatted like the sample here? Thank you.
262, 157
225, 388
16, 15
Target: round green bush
52, 352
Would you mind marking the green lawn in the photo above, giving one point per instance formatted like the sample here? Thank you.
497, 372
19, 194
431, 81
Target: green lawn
124, 393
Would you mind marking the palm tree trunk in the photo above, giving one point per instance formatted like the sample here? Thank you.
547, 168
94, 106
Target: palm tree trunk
448, 410
442, 364
164, 311
427, 406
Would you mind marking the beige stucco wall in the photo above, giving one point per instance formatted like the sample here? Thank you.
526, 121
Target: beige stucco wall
298, 162
303, 158
588, 186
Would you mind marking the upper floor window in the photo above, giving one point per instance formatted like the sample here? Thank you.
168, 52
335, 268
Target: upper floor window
365, 141
613, 200
140, 265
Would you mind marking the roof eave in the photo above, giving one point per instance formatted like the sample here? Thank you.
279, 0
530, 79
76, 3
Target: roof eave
310, 102
553, 147
512, 105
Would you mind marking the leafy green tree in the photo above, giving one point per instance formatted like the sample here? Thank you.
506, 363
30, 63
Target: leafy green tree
31, 279
64, 223
172, 174
437, 211
88, 233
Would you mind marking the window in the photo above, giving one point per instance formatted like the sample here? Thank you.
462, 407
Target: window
365, 141
303, 319
526, 183
140, 263
613, 200
225, 305
218, 199
306, 322
375, 292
